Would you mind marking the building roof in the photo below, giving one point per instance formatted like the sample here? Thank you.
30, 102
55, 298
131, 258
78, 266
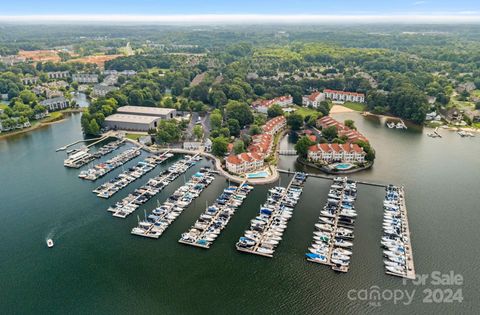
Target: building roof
343, 92
137, 119
143, 110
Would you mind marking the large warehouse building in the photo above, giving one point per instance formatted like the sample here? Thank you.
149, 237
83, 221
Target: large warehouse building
138, 118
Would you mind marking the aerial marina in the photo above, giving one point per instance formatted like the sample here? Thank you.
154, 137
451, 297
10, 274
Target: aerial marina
101, 169
216, 217
161, 217
267, 228
80, 157
398, 250
108, 189
333, 237
154, 185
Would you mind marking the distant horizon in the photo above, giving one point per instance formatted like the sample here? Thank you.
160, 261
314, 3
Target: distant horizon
225, 19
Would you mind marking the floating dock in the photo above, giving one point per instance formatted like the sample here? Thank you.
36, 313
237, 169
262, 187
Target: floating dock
362, 182
110, 188
141, 195
267, 228
216, 217
395, 205
336, 218
106, 167
155, 224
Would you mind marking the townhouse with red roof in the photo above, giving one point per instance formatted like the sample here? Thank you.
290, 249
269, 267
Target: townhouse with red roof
342, 130
262, 106
260, 148
329, 153
313, 99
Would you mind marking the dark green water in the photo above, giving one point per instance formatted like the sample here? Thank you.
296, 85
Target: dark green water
96, 266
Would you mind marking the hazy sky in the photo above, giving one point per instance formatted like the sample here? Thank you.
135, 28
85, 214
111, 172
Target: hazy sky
197, 9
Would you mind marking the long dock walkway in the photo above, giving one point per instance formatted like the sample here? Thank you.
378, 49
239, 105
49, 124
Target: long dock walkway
363, 182
342, 194
130, 203
405, 239
277, 220
110, 188
164, 215
215, 218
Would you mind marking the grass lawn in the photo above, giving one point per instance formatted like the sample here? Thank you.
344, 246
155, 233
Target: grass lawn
476, 125
359, 107
133, 136
305, 111
475, 93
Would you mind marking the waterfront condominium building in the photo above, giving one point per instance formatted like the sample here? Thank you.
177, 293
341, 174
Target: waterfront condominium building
344, 96
313, 99
244, 162
262, 106
334, 152
342, 130
258, 150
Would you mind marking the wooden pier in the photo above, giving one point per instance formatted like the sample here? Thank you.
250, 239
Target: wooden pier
122, 214
362, 182
331, 241
410, 267
257, 245
217, 215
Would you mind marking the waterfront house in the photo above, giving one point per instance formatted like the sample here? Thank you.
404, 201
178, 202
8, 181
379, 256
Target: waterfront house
342, 130
244, 162
207, 146
55, 103
344, 96
262, 106
274, 125
313, 99
329, 153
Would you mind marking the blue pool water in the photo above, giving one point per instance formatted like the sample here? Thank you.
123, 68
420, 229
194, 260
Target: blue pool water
262, 174
343, 166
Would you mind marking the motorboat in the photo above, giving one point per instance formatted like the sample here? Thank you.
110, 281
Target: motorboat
50, 243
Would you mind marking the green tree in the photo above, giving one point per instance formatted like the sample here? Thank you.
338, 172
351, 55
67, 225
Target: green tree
295, 121
255, 130
217, 98
168, 131
274, 111
94, 128
238, 147
302, 146
219, 146
370, 152
198, 131
216, 120
233, 127
239, 111
350, 124
330, 133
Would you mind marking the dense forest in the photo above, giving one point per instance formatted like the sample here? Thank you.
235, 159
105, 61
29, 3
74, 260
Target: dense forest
406, 71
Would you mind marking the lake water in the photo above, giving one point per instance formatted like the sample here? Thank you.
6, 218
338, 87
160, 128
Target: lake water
96, 266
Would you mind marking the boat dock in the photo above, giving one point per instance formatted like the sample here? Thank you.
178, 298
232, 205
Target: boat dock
156, 223
332, 240
396, 239
141, 195
267, 228
81, 140
216, 217
106, 167
80, 157
110, 188
361, 182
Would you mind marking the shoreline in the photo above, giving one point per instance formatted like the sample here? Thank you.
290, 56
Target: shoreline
326, 171
41, 124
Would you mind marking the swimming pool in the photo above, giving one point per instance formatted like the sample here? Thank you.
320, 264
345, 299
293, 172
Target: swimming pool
261, 174
343, 166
